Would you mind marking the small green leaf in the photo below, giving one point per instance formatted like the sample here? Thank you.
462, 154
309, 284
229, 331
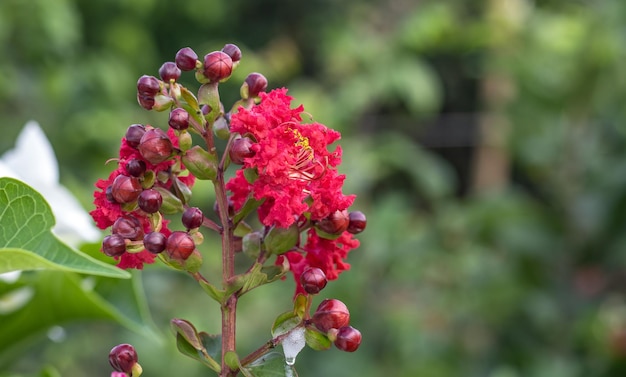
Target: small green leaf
271, 364
216, 294
280, 240
251, 244
171, 204
26, 240
232, 360
300, 305
242, 229
249, 206
212, 344
316, 340
187, 331
284, 323
190, 99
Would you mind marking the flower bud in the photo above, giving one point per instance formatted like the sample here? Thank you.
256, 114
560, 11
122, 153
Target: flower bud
123, 358
336, 223
135, 167
233, 51
150, 201
128, 227
114, 245
134, 134
348, 339
147, 102
155, 146
179, 119
217, 66
313, 280
180, 245
192, 218
202, 164
169, 72
240, 149
331, 314
155, 242
125, 189
148, 86
358, 222
255, 83
186, 59
109, 194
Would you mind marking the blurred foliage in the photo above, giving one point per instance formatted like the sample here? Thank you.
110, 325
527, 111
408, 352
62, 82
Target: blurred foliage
525, 280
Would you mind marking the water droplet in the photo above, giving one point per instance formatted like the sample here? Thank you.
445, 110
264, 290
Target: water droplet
292, 345
290, 360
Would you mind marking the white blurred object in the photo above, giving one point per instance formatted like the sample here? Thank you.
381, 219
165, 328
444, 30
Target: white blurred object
33, 161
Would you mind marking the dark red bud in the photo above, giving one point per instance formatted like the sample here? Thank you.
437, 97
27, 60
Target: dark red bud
135, 167
331, 314
155, 242
257, 83
179, 119
113, 245
336, 223
145, 101
122, 358
148, 86
125, 189
313, 280
348, 339
150, 201
180, 245
192, 218
217, 66
129, 227
155, 146
358, 222
240, 149
109, 194
169, 72
233, 51
186, 59
134, 134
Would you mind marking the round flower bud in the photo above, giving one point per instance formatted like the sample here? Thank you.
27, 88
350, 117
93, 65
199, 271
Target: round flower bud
155, 242
348, 339
113, 245
313, 280
125, 189
129, 227
233, 51
358, 222
240, 149
179, 119
155, 146
192, 218
217, 66
180, 245
148, 86
186, 59
134, 134
109, 194
331, 314
135, 167
147, 102
257, 83
150, 201
169, 72
336, 223
123, 357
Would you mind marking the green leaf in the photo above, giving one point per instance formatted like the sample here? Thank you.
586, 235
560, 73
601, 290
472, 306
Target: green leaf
284, 323
187, 330
280, 240
271, 364
316, 340
51, 298
191, 344
26, 240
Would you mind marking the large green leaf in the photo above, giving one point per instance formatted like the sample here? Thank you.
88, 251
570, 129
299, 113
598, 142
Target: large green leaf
50, 298
26, 240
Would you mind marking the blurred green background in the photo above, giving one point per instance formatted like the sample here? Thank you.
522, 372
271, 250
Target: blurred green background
485, 141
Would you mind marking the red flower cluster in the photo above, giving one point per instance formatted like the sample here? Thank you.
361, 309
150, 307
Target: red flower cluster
108, 210
327, 255
292, 160
296, 175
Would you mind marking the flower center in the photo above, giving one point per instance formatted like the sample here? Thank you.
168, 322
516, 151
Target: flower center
306, 167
